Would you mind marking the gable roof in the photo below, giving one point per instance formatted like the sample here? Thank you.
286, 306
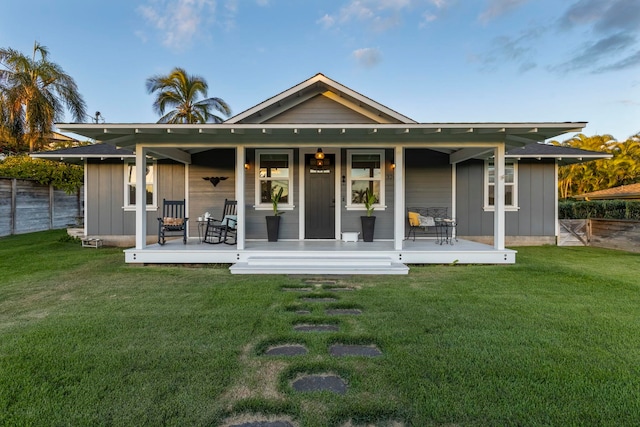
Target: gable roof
630, 191
319, 85
564, 155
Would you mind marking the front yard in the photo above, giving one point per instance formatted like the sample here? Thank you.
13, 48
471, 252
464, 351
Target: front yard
88, 340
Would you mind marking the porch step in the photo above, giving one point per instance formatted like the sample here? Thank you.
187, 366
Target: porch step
319, 265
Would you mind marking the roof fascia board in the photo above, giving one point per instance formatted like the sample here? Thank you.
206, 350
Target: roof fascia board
468, 153
357, 108
329, 83
171, 153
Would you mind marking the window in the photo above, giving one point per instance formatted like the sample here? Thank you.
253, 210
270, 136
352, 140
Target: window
365, 172
130, 184
510, 185
274, 172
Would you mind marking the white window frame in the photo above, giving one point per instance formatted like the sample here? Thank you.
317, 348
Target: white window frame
259, 205
514, 205
154, 176
360, 206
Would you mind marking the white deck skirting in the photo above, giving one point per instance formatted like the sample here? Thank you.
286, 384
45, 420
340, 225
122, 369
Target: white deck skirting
329, 257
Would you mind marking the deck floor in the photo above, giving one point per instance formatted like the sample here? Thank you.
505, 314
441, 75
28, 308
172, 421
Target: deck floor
420, 251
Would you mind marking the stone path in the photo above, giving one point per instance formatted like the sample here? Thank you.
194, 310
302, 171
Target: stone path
312, 382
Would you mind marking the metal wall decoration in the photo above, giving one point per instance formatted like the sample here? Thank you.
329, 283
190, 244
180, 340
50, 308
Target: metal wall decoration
215, 180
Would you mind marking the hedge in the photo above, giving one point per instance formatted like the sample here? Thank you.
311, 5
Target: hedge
609, 209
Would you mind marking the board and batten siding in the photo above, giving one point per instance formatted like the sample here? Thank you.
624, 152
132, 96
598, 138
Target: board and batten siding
536, 200
203, 196
320, 109
104, 211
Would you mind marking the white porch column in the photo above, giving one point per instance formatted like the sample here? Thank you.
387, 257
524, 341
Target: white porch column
398, 191
498, 214
141, 197
240, 185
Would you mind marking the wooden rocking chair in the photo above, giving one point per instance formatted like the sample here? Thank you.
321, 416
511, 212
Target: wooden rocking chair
173, 220
223, 230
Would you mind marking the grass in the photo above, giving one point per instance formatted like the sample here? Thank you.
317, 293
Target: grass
87, 340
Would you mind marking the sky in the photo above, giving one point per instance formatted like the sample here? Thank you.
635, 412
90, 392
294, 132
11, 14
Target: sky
431, 60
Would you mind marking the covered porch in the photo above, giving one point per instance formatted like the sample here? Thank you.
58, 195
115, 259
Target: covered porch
321, 257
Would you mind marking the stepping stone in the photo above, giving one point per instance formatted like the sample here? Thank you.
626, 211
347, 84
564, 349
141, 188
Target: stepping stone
340, 350
312, 299
316, 328
340, 311
286, 350
320, 282
332, 383
303, 312
338, 289
294, 289
264, 424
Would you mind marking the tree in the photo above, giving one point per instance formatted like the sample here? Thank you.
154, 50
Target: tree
623, 168
34, 93
178, 92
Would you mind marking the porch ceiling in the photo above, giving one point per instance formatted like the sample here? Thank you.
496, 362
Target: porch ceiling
445, 137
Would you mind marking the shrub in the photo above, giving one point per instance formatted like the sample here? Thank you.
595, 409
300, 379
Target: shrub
61, 175
608, 209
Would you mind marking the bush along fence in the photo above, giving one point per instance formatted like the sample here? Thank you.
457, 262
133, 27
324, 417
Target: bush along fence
613, 224
27, 206
604, 209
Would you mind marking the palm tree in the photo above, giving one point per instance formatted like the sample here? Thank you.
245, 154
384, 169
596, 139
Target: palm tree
34, 93
178, 91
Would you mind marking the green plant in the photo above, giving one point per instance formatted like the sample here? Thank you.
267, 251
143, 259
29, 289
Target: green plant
370, 199
275, 199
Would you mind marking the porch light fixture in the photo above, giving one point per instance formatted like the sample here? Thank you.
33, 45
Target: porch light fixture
247, 166
319, 154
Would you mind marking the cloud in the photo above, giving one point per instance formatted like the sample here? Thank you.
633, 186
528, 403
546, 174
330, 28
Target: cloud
367, 57
614, 31
507, 49
498, 8
379, 14
597, 51
178, 21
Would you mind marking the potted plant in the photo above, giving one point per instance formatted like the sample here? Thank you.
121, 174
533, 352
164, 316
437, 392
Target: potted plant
273, 221
369, 221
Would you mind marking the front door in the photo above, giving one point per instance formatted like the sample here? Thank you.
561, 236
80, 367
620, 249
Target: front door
320, 199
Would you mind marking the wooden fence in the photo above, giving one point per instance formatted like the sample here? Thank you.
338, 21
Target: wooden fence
26, 206
603, 233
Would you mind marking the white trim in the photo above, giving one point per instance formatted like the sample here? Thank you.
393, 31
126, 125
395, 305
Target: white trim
241, 175
85, 200
141, 199
555, 200
514, 206
498, 214
383, 166
154, 202
258, 206
398, 190
454, 195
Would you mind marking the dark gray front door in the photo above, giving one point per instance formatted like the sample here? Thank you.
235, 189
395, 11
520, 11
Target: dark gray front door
320, 200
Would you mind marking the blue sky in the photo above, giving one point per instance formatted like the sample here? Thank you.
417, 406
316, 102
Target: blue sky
432, 60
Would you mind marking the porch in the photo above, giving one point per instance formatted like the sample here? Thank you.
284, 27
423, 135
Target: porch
320, 256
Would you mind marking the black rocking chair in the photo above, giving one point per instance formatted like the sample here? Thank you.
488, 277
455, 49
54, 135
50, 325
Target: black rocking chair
223, 230
173, 220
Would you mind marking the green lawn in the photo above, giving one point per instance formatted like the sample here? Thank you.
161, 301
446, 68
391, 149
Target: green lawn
86, 340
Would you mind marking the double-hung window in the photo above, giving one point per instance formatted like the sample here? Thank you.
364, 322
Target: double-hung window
365, 174
130, 184
274, 171
510, 185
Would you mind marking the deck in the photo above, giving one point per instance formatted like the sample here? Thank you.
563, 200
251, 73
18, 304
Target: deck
329, 257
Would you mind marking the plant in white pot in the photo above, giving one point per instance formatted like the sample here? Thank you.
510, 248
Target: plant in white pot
273, 221
369, 221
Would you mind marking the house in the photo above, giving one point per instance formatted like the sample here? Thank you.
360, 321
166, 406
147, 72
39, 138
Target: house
622, 192
366, 145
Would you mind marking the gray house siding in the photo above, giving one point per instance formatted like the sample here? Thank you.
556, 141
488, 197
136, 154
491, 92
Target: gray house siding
104, 210
256, 225
384, 218
320, 109
203, 196
536, 200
